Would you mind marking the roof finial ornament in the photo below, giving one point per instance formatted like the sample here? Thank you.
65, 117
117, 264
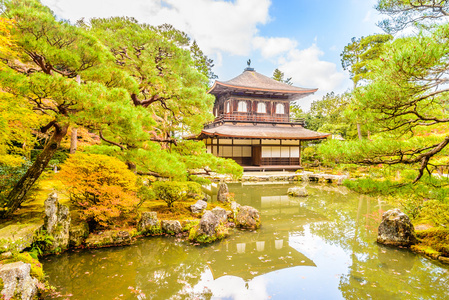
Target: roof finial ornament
249, 66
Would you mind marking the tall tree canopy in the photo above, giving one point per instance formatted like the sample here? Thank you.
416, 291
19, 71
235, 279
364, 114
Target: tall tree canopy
406, 102
357, 54
329, 115
134, 85
404, 13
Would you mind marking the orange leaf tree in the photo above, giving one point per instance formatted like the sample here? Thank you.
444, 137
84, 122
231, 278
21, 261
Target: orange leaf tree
101, 186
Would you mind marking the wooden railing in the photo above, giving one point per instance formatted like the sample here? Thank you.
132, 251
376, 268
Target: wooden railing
257, 118
253, 118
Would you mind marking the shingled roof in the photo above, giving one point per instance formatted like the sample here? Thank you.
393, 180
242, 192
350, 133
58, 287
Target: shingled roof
283, 132
250, 80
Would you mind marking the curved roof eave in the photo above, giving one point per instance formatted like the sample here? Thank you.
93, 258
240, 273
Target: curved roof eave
310, 91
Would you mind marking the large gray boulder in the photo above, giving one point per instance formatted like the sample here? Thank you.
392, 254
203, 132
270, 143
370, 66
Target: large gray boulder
396, 229
198, 207
147, 222
171, 226
248, 217
18, 281
57, 222
223, 192
210, 228
221, 214
208, 223
297, 191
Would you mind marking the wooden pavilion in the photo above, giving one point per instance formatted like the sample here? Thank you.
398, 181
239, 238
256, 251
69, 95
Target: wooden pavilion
252, 123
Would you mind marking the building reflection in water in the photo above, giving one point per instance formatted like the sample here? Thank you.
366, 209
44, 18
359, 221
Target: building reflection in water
250, 254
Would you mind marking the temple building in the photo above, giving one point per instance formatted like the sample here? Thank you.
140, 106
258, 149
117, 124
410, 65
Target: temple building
252, 123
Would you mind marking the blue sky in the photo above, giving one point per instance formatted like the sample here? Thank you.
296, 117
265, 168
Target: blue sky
303, 38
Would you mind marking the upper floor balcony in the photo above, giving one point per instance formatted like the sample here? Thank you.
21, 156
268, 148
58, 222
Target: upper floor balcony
239, 117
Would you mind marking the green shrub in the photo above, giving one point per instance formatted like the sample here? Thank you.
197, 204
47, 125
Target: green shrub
41, 241
370, 186
199, 180
309, 155
145, 193
173, 191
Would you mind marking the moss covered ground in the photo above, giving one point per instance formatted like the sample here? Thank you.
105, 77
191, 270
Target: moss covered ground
32, 210
433, 242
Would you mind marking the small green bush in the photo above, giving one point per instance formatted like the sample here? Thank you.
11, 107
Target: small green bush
370, 186
173, 191
200, 180
41, 241
145, 193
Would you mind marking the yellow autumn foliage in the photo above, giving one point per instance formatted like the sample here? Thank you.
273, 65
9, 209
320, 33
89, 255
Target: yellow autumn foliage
101, 186
6, 39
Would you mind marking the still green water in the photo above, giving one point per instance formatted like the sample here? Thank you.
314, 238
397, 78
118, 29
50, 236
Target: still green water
319, 247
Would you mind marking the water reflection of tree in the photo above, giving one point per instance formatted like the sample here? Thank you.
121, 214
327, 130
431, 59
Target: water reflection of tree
157, 268
376, 272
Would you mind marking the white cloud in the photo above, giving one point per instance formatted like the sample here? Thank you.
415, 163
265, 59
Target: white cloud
241, 290
216, 25
221, 27
273, 46
307, 69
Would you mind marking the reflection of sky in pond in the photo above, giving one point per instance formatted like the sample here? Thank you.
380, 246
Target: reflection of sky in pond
319, 247
301, 282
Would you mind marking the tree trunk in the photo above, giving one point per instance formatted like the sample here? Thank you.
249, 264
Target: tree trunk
18, 193
132, 167
359, 131
73, 140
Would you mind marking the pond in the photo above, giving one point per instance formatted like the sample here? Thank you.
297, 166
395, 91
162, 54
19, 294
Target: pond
319, 247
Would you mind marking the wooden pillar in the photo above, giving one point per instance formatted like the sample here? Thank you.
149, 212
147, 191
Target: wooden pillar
300, 161
218, 146
73, 140
212, 145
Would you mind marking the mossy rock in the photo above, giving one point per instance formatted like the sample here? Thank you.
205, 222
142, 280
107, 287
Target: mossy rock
17, 237
110, 238
221, 232
36, 267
